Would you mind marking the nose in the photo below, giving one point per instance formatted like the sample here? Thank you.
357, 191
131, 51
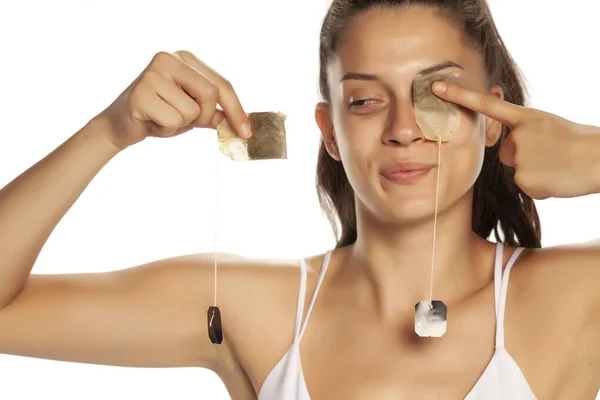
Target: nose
401, 127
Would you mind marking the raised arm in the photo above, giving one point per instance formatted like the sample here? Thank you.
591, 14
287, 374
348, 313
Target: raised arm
118, 317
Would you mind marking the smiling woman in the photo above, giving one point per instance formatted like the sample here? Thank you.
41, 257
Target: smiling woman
398, 51
411, 210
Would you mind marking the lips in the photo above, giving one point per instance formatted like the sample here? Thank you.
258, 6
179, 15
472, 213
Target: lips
406, 167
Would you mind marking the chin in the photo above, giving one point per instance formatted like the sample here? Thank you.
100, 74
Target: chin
416, 208
395, 211
409, 212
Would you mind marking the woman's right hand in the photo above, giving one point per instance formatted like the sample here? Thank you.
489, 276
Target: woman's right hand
175, 93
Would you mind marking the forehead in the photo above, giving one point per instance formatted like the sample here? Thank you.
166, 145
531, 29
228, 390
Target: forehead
406, 39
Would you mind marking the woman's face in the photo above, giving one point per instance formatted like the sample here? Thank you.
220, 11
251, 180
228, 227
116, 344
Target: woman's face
380, 128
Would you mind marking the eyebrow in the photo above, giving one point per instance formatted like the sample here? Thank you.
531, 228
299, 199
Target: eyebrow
430, 70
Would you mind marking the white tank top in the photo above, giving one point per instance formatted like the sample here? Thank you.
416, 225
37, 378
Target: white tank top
501, 380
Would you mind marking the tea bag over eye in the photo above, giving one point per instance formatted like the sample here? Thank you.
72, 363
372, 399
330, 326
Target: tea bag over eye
436, 117
268, 141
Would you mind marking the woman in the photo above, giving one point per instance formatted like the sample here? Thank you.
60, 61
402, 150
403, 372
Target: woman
360, 297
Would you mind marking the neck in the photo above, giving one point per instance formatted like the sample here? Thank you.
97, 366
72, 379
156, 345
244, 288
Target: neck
391, 265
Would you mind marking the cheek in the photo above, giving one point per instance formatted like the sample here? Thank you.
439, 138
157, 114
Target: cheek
462, 157
357, 140
358, 147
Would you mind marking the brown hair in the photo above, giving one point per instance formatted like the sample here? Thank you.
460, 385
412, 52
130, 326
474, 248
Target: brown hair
498, 203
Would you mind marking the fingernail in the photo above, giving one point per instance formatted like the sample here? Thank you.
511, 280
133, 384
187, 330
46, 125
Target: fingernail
246, 130
440, 87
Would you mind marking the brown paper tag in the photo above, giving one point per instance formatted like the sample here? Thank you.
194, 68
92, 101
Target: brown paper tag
268, 141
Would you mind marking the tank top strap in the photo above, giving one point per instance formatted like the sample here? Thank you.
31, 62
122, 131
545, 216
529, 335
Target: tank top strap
498, 276
316, 292
301, 299
501, 279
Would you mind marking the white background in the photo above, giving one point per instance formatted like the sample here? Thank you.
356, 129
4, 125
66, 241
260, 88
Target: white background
63, 62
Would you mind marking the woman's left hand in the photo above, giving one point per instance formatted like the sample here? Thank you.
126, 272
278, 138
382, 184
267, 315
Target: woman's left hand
552, 157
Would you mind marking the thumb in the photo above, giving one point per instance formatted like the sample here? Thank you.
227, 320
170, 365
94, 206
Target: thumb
217, 118
507, 152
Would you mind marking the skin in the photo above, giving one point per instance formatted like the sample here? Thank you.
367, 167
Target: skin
359, 343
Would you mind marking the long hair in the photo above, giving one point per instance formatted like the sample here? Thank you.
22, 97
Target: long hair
498, 203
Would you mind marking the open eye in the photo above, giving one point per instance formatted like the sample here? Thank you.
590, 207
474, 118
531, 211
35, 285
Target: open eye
362, 102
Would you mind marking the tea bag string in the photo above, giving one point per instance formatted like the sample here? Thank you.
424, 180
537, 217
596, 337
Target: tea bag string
216, 221
437, 193
215, 326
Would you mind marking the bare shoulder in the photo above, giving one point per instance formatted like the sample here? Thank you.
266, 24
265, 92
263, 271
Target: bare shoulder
566, 271
558, 289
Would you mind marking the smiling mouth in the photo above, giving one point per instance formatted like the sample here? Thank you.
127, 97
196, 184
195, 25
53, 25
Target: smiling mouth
407, 175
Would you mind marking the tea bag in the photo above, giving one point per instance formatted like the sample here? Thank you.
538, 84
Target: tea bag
268, 142
436, 117
268, 139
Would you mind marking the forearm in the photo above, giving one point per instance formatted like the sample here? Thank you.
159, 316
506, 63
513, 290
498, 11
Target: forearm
33, 203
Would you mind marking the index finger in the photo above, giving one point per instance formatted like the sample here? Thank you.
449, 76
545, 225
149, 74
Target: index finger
228, 98
486, 104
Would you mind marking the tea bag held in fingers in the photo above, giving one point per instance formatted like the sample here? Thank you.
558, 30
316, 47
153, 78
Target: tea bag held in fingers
268, 141
436, 117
